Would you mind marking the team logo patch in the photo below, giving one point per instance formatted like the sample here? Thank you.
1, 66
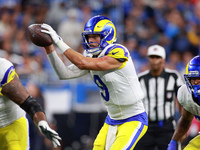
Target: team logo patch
115, 52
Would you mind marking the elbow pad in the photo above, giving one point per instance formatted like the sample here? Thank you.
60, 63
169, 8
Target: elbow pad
31, 106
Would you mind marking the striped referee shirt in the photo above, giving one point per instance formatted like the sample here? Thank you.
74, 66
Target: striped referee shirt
160, 93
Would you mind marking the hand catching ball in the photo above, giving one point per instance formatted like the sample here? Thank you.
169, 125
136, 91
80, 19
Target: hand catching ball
37, 37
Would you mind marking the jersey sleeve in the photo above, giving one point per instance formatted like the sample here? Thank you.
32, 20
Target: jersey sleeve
180, 96
183, 96
179, 81
118, 52
7, 73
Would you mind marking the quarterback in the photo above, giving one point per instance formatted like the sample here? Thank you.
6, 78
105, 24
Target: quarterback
189, 98
112, 70
14, 133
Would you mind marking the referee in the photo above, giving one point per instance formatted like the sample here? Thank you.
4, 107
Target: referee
160, 87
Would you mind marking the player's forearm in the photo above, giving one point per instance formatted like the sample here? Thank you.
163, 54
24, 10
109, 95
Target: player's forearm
49, 49
76, 58
38, 116
62, 71
181, 129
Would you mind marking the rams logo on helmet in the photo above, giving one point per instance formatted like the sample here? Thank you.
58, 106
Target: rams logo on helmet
104, 27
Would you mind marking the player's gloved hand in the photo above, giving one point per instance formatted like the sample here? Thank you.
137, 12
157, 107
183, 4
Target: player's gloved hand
49, 30
172, 145
49, 133
55, 37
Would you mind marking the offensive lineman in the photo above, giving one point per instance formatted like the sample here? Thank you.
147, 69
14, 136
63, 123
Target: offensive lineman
189, 98
112, 69
13, 123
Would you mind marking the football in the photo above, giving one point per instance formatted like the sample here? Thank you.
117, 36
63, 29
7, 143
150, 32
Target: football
37, 37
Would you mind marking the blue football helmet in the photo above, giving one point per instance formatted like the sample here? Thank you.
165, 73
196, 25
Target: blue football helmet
104, 27
192, 71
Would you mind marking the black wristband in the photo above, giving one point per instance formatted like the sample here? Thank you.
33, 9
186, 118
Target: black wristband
31, 106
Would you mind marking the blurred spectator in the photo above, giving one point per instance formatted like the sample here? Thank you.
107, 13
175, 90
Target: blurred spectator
6, 28
20, 44
86, 12
31, 69
26, 16
70, 28
56, 13
186, 57
193, 36
7, 45
176, 31
174, 62
129, 28
41, 14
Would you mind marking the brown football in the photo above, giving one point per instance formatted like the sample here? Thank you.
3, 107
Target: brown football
37, 37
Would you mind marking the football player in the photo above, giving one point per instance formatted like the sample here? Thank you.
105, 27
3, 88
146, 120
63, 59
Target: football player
189, 98
112, 69
14, 133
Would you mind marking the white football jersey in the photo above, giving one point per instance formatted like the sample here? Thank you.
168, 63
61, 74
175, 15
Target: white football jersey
9, 111
120, 89
186, 100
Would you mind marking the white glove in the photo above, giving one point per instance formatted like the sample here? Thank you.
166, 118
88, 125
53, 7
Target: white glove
49, 133
49, 30
55, 37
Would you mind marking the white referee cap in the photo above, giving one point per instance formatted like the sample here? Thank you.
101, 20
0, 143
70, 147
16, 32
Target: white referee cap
156, 50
